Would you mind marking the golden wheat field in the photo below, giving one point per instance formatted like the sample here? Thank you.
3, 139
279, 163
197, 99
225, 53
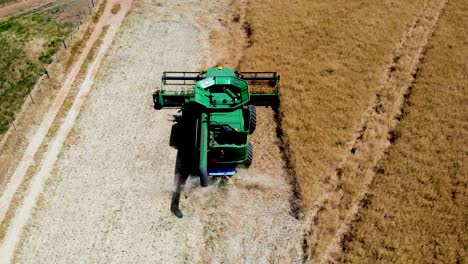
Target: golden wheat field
419, 197
374, 109
363, 162
332, 56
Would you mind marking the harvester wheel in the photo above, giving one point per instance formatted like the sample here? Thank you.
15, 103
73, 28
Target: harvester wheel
249, 160
156, 100
253, 118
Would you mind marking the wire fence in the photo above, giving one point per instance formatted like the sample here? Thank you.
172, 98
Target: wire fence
78, 13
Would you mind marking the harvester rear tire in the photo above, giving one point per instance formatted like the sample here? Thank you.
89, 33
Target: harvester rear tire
253, 119
249, 160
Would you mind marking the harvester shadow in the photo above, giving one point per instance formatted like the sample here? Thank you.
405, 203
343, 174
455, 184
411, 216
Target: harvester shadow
182, 138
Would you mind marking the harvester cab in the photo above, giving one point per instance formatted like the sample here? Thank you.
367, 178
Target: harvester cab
222, 109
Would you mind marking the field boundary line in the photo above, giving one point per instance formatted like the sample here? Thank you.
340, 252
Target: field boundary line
39, 82
22, 215
414, 49
22, 6
37, 139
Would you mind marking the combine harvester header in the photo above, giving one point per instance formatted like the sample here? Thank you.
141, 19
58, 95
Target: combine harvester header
221, 109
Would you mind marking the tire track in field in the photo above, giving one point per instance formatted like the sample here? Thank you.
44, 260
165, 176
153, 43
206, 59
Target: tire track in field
37, 139
15, 229
342, 201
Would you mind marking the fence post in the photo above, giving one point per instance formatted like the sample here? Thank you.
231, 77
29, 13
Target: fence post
31, 98
47, 73
64, 45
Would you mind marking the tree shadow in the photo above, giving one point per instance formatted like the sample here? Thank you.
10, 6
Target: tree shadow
182, 138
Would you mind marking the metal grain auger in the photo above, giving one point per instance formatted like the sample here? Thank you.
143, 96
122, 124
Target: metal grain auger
223, 112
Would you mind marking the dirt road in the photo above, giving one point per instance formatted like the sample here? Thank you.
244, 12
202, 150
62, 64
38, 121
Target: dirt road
103, 195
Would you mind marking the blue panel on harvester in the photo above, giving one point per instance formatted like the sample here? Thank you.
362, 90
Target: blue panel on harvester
222, 171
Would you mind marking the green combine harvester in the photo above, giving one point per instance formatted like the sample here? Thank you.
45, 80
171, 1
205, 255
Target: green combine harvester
222, 110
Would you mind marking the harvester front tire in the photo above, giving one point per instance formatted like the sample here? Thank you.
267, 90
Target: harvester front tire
156, 101
249, 160
253, 119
